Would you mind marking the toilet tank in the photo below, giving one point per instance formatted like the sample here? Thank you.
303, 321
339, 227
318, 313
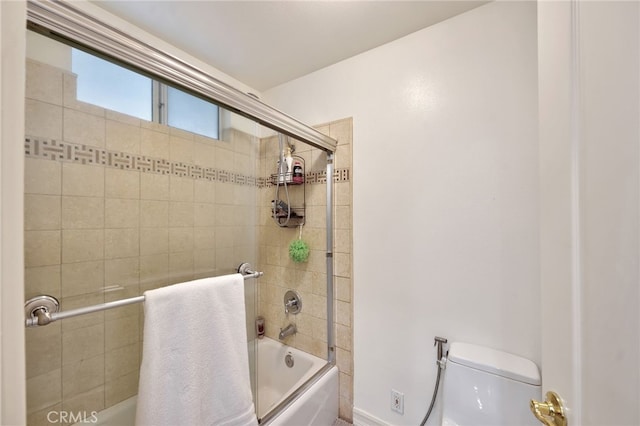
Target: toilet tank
483, 386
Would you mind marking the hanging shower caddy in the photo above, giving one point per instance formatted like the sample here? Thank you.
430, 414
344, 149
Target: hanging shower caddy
295, 183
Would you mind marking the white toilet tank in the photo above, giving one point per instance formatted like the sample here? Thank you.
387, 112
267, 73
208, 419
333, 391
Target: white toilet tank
483, 386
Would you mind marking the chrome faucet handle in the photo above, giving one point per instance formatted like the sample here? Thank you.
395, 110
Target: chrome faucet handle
292, 302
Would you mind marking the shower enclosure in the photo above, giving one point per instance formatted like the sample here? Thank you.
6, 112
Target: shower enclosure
119, 202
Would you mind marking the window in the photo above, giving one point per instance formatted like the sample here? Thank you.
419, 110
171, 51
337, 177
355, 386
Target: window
111, 86
188, 112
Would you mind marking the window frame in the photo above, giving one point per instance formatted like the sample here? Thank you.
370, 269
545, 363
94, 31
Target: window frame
158, 98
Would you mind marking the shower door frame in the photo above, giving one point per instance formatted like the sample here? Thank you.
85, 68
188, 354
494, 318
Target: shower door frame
65, 22
68, 23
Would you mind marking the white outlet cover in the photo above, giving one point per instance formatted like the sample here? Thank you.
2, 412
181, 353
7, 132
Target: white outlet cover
397, 401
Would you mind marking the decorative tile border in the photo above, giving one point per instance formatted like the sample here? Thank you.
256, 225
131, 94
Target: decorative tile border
51, 149
320, 176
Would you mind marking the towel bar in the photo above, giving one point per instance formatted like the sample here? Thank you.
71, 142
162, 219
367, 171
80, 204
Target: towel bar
43, 310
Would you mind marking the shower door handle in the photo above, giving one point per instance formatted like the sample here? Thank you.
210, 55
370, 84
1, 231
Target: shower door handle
551, 412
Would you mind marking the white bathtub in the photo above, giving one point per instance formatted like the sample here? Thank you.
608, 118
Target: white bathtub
121, 414
316, 406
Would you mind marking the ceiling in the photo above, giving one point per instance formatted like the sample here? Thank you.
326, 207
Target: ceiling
267, 43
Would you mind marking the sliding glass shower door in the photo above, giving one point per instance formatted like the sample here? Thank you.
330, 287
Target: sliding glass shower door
118, 203
160, 185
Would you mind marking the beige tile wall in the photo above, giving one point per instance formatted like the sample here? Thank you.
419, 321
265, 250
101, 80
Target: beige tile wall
309, 279
96, 233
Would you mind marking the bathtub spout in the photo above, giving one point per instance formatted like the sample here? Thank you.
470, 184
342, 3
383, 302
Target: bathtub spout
287, 331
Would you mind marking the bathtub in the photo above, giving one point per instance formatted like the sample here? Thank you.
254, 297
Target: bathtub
316, 404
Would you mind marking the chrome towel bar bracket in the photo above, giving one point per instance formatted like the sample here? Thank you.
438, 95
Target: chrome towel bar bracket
246, 270
39, 310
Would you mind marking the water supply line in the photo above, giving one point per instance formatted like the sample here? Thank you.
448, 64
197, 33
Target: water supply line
440, 362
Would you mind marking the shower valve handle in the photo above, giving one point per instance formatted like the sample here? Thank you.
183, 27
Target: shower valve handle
292, 302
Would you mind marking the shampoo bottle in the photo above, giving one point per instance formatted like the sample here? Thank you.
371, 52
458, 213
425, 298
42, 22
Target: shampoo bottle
288, 159
298, 173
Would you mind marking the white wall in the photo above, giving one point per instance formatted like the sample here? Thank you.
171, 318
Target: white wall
445, 195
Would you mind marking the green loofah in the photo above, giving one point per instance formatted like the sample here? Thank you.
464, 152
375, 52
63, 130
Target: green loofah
299, 251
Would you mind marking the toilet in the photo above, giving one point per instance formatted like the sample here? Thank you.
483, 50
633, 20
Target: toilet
483, 386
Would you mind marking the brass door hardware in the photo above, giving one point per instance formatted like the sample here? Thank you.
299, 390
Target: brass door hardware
551, 411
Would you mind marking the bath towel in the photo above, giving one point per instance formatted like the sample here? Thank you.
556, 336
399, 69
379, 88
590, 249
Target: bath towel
195, 364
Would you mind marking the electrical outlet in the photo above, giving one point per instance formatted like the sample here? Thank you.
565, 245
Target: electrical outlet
397, 401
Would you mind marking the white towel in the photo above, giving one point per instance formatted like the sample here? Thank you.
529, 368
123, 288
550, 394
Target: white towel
195, 368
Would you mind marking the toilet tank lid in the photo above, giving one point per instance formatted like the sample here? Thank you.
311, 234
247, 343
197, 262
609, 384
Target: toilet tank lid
495, 362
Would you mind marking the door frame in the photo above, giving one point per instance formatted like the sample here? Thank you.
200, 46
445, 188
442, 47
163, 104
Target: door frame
589, 159
559, 162
12, 95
